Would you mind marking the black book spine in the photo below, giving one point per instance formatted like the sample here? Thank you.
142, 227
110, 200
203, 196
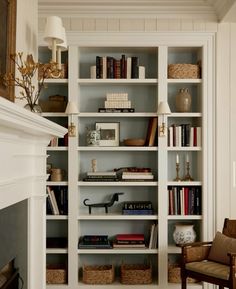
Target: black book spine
98, 66
134, 67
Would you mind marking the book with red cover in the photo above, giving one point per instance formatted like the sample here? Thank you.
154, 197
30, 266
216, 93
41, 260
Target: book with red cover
130, 237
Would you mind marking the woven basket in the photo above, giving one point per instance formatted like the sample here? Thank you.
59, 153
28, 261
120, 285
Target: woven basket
183, 71
62, 73
136, 274
56, 274
174, 274
98, 274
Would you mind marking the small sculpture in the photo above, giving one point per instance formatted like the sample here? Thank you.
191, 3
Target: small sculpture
115, 197
94, 165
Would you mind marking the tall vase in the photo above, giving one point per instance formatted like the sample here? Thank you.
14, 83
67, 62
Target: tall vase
184, 233
183, 100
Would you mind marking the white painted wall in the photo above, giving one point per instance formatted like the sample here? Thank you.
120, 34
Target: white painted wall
26, 32
226, 122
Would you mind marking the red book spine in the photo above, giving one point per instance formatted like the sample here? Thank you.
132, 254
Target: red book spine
194, 136
129, 237
186, 193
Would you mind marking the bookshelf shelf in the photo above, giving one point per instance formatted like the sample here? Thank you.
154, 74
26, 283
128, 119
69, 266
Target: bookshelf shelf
113, 114
117, 217
57, 217
57, 148
120, 148
118, 251
57, 251
89, 81
118, 184
144, 96
184, 183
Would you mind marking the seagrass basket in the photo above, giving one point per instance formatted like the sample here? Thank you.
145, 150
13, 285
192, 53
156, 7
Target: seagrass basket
183, 70
56, 274
136, 274
174, 274
98, 274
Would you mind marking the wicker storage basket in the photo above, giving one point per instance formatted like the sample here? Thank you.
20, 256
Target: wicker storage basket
56, 103
136, 274
62, 73
56, 274
183, 70
98, 274
174, 274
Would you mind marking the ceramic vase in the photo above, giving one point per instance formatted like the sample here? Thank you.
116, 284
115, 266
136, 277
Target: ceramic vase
183, 100
93, 137
184, 233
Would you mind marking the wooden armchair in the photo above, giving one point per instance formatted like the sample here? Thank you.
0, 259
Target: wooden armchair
212, 262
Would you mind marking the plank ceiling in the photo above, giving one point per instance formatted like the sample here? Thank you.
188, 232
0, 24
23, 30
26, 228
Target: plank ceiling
205, 9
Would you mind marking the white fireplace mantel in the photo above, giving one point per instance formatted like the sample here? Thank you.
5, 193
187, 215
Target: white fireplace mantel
24, 137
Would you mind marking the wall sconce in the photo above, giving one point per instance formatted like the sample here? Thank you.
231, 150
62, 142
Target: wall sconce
163, 110
71, 109
53, 33
60, 47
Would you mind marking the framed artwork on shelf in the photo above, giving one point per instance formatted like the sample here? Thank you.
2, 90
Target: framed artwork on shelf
109, 133
7, 44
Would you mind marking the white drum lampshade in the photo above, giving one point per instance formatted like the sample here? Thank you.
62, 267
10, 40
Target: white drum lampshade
60, 47
53, 33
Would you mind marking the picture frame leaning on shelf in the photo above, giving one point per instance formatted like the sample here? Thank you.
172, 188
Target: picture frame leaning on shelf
109, 133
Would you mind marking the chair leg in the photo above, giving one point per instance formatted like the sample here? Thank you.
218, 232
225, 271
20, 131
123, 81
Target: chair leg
184, 282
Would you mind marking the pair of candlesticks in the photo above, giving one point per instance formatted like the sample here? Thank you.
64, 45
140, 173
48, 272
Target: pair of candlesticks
187, 177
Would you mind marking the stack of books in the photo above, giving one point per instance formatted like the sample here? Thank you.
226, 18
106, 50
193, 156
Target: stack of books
117, 102
137, 176
94, 242
137, 208
129, 241
101, 177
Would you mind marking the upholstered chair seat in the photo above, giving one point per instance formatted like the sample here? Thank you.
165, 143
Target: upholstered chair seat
212, 262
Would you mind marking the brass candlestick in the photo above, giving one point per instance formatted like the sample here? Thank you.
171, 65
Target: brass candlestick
188, 177
177, 179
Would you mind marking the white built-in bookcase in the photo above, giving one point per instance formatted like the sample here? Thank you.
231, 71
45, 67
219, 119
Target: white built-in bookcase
145, 94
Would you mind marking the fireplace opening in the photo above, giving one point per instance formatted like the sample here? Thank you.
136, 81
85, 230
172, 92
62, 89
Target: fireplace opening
13, 245
10, 278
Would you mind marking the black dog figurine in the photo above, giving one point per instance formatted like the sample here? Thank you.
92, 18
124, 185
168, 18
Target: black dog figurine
115, 197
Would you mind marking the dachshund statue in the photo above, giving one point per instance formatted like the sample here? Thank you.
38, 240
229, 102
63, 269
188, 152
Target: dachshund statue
115, 197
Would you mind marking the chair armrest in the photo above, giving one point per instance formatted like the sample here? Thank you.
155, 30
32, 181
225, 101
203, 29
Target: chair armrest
196, 251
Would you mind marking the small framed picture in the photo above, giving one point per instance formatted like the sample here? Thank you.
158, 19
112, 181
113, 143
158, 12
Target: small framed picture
109, 133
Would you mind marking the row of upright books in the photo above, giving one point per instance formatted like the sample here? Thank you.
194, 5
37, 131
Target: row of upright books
110, 67
184, 200
57, 200
184, 135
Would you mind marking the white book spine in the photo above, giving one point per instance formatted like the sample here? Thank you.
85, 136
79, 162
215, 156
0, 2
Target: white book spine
128, 67
171, 136
104, 67
199, 136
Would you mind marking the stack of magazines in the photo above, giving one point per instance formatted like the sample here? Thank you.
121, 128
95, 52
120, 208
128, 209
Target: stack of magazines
94, 242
